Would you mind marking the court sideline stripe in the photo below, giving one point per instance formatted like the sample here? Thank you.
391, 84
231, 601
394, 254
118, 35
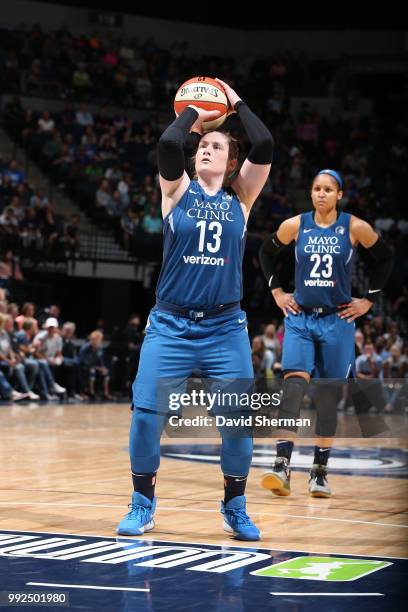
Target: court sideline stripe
85, 586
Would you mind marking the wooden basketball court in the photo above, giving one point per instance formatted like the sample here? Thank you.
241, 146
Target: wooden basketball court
65, 470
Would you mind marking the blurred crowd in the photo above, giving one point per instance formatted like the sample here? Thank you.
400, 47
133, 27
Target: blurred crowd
41, 359
29, 224
105, 161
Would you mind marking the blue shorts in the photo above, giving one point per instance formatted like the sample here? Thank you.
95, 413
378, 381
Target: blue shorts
323, 346
175, 347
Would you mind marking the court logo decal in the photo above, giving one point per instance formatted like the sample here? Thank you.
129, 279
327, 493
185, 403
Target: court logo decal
328, 569
355, 461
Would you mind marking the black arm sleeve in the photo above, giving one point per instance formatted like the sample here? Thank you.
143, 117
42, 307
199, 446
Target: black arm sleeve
170, 156
381, 271
267, 256
259, 136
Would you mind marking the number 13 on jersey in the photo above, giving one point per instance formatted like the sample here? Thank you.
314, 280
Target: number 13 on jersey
214, 233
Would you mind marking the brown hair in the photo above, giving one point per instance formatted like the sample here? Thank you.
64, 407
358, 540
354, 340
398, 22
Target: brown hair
96, 334
233, 153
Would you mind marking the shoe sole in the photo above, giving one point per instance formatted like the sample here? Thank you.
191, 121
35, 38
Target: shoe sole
273, 483
325, 494
226, 527
146, 528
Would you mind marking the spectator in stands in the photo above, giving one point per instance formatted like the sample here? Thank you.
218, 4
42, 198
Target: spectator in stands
267, 356
16, 175
271, 341
52, 232
393, 368
368, 368
46, 123
69, 368
134, 340
129, 222
84, 117
12, 366
10, 267
81, 81
71, 237
392, 335
368, 365
27, 312
93, 366
46, 382
49, 343
152, 221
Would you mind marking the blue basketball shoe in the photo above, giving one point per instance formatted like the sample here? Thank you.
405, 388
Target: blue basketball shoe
236, 520
140, 517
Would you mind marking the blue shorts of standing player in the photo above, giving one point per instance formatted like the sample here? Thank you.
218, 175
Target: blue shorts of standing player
320, 344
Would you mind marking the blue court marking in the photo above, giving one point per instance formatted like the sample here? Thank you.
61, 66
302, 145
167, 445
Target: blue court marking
181, 576
381, 462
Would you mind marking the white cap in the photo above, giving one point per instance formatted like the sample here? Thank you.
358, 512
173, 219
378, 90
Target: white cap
51, 322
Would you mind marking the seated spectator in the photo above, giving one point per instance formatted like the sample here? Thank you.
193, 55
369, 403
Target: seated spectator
10, 267
129, 222
103, 200
52, 231
152, 222
12, 365
46, 381
81, 80
92, 364
368, 368
46, 123
83, 116
69, 367
16, 175
266, 355
49, 342
270, 339
71, 237
393, 371
27, 312
134, 340
392, 335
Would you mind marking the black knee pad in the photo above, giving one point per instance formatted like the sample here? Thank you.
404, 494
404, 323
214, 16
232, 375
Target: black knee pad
326, 397
294, 389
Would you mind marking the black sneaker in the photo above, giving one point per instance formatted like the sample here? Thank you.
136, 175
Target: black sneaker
318, 485
278, 479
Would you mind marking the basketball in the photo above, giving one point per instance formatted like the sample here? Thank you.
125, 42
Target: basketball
205, 93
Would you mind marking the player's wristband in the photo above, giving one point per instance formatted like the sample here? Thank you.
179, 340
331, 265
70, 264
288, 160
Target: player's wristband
373, 295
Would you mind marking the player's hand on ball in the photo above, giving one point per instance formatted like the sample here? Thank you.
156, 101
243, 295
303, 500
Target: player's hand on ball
286, 302
232, 95
354, 309
203, 116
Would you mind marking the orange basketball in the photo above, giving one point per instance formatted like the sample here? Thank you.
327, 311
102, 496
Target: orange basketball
206, 93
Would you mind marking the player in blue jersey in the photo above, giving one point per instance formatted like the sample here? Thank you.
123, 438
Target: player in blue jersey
197, 323
319, 316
